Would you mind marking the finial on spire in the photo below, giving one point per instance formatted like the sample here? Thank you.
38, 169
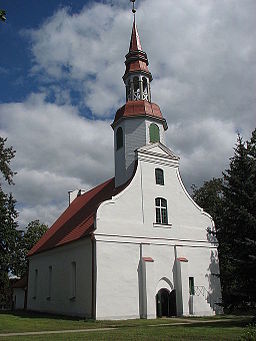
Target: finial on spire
133, 8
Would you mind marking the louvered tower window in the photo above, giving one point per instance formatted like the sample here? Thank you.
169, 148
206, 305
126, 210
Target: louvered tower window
154, 135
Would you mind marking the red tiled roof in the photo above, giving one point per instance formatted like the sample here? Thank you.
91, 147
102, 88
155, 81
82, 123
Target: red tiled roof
77, 221
138, 108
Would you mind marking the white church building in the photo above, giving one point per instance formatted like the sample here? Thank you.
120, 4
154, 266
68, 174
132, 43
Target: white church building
137, 245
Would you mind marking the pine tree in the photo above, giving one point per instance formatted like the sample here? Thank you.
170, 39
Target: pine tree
238, 230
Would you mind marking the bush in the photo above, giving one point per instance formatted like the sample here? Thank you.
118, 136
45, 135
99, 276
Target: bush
249, 333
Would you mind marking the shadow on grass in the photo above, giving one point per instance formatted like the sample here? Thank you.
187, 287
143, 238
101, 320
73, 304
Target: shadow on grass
224, 321
33, 314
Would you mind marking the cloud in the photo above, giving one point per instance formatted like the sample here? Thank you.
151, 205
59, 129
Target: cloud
56, 151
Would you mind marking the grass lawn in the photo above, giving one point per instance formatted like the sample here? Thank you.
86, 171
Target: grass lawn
225, 328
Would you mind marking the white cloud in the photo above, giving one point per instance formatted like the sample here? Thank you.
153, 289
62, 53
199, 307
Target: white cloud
56, 151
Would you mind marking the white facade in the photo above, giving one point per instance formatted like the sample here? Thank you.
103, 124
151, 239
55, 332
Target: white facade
126, 233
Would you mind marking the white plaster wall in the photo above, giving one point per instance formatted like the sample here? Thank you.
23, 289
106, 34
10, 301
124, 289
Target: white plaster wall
61, 259
203, 265
19, 298
136, 204
128, 219
117, 295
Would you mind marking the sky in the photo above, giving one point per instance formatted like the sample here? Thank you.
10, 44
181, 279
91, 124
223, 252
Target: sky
61, 68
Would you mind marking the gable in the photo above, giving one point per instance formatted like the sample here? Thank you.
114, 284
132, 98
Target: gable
158, 149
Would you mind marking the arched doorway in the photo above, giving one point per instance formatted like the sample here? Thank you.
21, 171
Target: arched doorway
166, 303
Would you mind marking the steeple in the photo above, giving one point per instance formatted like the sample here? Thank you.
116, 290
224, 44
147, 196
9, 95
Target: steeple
137, 77
138, 122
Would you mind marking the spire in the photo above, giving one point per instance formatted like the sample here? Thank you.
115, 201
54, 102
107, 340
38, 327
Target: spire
135, 44
136, 59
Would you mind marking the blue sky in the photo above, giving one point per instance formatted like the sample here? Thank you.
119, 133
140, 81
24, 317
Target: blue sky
16, 58
61, 71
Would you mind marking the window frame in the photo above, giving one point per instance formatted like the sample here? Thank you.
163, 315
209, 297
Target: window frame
161, 211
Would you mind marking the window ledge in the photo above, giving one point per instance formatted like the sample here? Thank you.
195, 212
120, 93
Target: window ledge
162, 225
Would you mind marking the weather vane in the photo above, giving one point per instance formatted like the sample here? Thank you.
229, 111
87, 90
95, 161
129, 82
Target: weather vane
133, 8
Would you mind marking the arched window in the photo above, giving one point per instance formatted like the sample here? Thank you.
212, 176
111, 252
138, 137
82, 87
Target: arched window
145, 88
161, 211
119, 138
159, 173
136, 87
154, 135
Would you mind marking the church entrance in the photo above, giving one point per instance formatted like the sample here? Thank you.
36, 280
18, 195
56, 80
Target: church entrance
166, 303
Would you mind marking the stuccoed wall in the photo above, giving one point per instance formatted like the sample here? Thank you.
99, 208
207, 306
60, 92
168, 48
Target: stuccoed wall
61, 259
125, 224
117, 294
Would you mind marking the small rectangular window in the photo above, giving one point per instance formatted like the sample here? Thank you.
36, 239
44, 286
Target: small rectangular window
73, 280
159, 175
191, 286
49, 282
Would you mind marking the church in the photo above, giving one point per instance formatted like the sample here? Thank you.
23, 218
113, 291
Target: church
137, 245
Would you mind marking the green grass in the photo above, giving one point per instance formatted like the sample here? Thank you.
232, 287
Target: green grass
226, 328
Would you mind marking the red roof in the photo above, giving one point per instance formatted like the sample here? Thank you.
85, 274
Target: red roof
137, 109
77, 221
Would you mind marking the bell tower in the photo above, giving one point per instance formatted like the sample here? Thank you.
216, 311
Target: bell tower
139, 122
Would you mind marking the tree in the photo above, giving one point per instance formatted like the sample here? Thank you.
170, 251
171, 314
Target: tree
8, 224
239, 225
34, 231
210, 198
231, 201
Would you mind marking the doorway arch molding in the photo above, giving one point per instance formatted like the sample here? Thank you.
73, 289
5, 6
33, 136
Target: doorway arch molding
164, 283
